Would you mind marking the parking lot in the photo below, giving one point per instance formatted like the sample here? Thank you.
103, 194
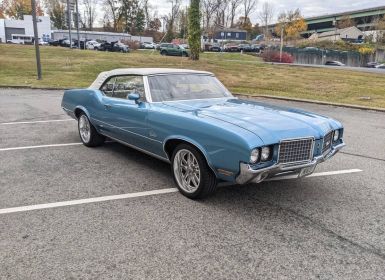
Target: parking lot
72, 212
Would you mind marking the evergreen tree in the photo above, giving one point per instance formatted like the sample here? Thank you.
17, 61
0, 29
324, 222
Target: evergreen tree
194, 29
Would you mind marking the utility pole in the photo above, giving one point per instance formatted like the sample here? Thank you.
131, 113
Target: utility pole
77, 24
69, 21
36, 36
280, 50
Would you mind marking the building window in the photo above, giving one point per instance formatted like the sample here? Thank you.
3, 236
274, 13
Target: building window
229, 34
237, 35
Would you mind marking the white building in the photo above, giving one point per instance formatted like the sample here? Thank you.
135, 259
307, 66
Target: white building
8, 27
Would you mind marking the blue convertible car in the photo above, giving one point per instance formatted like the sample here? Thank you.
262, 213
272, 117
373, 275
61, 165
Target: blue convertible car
188, 118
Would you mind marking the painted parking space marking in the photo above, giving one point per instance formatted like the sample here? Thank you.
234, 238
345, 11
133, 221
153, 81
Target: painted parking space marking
85, 201
32, 122
40, 146
327, 173
133, 195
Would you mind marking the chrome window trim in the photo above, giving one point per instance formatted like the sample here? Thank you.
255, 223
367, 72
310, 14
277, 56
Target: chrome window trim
147, 91
297, 139
125, 75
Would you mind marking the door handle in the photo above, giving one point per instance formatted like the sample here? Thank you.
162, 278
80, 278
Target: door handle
107, 106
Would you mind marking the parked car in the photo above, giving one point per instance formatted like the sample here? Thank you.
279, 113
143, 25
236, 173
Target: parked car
215, 48
244, 47
52, 42
162, 45
119, 47
92, 45
175, 50
334, 63
148, 45
81, 44
104, 46
380, 66
113, 47
42, 42
186, 46
189, 119
372, 64
255, 48
66, 43
231, 48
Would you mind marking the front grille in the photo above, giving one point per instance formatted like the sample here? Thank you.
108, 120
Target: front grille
295, 150
327, 142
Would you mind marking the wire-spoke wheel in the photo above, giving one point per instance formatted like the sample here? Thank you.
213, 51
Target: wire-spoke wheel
187, 171
84, 128
192, 175
87, 132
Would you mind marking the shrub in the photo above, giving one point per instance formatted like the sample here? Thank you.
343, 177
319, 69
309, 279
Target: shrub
273, 56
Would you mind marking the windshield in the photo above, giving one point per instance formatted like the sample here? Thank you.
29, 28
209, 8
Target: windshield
185, 87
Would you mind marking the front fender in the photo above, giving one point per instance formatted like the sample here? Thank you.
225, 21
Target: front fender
193, 142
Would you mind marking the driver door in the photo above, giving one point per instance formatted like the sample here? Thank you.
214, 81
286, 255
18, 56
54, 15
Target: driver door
124, 119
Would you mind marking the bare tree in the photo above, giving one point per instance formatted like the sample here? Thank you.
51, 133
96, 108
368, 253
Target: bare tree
146, 9
112, 12
209, 7
220, 18
248, 7
89, 10
266, 15
171, 17
233, 8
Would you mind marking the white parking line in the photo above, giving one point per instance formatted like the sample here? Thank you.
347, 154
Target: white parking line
132, 195
39, 146
85, 201
29, 122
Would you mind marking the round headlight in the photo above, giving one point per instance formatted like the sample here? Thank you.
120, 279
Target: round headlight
254, 156
265, 154
336, 135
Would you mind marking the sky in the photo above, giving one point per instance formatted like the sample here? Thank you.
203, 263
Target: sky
308, 8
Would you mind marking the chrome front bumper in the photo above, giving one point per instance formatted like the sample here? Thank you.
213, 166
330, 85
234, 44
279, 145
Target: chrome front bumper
248, 175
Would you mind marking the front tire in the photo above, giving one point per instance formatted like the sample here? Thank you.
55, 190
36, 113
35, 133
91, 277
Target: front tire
192, 175
87, 132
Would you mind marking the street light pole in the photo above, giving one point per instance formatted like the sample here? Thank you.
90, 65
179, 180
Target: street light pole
69, 22
77, 24
36, 36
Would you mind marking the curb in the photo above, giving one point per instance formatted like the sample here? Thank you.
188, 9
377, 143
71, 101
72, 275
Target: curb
351, 106
29, 87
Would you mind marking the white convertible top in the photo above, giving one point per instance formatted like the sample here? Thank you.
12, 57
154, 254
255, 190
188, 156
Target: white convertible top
142, 72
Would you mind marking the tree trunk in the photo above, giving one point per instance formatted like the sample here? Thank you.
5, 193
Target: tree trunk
194, 29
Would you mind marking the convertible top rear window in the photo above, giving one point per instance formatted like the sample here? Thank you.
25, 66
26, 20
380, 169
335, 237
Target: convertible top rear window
185, 87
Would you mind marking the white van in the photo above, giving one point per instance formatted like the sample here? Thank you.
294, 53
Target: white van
21, 39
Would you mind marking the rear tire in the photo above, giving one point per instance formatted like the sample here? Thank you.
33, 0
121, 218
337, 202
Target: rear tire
163, 53
192, 175
87, 132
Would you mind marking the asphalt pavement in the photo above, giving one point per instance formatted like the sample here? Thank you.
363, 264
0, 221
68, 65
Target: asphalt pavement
329, 226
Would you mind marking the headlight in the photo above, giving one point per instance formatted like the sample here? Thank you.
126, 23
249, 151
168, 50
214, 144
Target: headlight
254, 156
336, 135
265, 153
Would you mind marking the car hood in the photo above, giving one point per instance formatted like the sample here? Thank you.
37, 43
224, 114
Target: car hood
270, 123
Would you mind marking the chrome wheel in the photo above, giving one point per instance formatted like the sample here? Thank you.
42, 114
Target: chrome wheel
187, 171
84, 128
